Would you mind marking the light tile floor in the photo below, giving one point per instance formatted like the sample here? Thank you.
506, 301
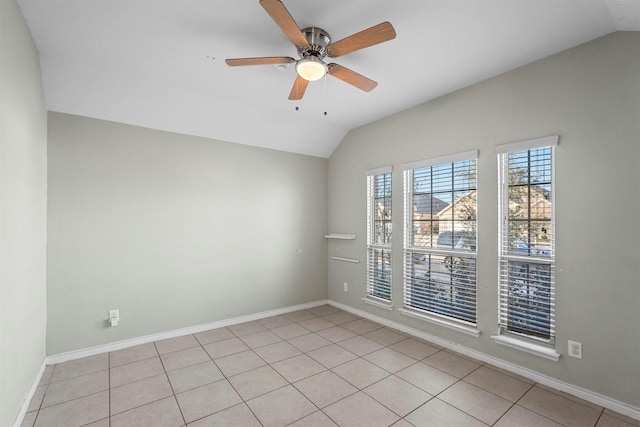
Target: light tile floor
316, 367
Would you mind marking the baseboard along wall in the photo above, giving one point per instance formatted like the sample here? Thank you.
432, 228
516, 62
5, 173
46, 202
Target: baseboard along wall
579, 392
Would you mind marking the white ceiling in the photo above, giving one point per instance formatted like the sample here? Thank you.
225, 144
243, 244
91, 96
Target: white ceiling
160, 64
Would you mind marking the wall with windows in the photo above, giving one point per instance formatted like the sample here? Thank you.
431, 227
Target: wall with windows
590, 97
23, 203
175, 231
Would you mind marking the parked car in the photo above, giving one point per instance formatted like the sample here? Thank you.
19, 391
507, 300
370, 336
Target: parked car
461, 240
464, 240
519, 247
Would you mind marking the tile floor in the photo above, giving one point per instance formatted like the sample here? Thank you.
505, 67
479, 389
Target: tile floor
316, 367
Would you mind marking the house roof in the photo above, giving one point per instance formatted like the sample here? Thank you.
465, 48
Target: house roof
160, 63
540, 203
426, 204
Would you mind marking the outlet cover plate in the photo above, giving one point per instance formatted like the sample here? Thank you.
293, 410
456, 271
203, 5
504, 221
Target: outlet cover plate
575, 349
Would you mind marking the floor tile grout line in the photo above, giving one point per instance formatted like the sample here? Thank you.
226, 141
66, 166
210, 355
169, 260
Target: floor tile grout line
175, 397
138, 380
244, 402
620, 417
420, 406
288, 383
385, 406
539, 414
546, 416
512, 404
139, 406
508, 409
71, 400
44, 395
570, 397
455, 407
268, 364
492, 393
435, 396
46, 389
305, 396
78, 376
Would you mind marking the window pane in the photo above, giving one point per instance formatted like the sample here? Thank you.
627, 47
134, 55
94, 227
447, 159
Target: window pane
443, 285
443, 219
529, 299
379, 220
381, 209
527, 288
530, 202
380, 273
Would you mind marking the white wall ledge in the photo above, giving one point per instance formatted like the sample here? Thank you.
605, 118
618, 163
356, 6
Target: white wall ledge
340, 236
339, 258
527, 347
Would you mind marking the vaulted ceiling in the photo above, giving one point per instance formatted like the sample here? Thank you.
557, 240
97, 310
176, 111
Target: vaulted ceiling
160, 64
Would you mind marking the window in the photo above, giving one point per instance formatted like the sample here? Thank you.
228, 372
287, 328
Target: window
440, 239
526, 240
379, 235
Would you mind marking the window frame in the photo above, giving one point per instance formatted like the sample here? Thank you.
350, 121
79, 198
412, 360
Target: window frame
373, 248
507, 334
410, 250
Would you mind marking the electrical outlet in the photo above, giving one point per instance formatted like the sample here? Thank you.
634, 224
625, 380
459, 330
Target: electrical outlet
575, 349
114, 317
346, 286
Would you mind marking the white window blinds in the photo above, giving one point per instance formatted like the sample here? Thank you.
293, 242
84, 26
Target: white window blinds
379, 234
526, 239
440, 238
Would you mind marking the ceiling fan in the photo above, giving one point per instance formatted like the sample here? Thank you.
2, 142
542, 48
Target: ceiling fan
314, 44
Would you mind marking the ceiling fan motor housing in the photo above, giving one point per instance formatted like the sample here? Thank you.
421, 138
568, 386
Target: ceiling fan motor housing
318, 40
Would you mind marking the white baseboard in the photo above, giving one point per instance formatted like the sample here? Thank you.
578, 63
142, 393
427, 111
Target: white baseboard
588, 395
119, 345
32, 391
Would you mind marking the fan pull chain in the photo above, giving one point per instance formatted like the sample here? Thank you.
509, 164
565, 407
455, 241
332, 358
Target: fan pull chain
297, 95
325, 95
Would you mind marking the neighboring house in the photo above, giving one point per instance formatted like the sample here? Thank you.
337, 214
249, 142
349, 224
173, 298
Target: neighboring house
426, 221
537, 232
461, 215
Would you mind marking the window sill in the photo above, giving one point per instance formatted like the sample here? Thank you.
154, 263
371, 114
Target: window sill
469, 330
527, 347
376, 303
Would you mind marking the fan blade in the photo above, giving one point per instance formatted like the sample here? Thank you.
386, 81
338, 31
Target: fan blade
369, 37
259, 61
351, 77
285, 21
297, 91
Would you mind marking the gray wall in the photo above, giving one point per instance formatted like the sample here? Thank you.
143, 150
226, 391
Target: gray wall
175, 231
590, 96
23, 193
